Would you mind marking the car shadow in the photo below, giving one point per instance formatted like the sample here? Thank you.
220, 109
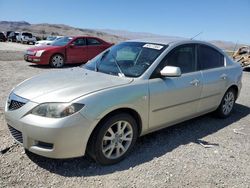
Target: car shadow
49, 67
147, 147
246, 69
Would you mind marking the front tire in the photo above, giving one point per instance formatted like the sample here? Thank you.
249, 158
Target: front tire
57, 61
114, 139
227, 103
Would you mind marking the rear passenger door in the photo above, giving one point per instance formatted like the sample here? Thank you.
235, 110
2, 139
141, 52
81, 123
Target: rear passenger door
95, 47
211, 63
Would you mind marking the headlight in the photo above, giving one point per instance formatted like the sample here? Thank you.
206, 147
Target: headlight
39, 53
56, 110
30, 52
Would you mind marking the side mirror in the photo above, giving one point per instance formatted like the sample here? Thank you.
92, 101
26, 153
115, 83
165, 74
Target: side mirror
71, 45
170, 71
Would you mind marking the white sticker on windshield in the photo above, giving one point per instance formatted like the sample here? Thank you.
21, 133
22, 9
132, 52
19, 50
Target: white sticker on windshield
153, 46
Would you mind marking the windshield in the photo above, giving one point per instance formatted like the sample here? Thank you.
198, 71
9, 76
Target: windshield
62, 41
130, 59
27, 34
50, 38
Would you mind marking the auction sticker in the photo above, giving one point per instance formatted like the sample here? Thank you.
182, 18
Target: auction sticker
153, 46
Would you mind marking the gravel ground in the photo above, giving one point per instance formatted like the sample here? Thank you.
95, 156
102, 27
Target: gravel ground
171, 157
10, 51
13, 46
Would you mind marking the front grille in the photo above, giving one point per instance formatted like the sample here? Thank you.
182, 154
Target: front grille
17, 135
15, 105
44, 145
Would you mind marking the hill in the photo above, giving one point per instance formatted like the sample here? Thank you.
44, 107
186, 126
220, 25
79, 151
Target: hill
45, 29
110, 35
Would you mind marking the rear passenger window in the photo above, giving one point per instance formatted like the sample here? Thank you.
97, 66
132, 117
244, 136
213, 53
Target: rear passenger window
209, 58
92, 41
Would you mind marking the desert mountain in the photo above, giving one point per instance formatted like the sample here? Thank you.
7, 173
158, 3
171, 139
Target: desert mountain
110, 35
45, 29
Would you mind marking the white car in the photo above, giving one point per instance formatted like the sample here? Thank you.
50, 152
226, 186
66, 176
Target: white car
48, 40
25, 37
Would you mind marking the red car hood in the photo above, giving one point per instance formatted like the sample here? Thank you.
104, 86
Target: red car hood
48, 47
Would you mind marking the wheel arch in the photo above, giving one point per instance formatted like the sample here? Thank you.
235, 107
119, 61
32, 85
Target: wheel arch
235, 88
56, 53
129, 111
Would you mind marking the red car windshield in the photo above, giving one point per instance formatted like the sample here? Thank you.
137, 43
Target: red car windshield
62, 41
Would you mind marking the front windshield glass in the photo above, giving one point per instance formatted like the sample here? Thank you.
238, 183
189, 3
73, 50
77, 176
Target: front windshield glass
50, 38
62, 41
27, 34
130, 59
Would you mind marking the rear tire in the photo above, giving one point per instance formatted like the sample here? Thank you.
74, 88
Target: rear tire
114, 139
227, 103
57, 61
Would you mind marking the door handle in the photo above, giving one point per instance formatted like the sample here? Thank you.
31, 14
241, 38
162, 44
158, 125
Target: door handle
195, 82
223, 76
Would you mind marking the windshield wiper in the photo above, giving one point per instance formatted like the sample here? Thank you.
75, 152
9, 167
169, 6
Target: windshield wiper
118, 66
116, 63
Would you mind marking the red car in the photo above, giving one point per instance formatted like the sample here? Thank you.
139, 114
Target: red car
67, 50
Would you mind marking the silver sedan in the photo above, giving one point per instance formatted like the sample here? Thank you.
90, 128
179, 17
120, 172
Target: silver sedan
129, 90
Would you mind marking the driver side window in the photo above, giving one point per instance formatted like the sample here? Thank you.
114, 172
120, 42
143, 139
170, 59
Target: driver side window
182, 56
79, 42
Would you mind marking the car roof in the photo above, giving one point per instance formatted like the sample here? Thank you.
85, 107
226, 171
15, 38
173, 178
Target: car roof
159, 40
173, 42
85, 36
168, 41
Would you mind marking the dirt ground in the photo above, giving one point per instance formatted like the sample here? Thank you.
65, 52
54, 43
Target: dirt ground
172, 157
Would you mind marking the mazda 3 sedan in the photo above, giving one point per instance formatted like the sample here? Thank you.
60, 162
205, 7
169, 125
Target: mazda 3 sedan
129, 90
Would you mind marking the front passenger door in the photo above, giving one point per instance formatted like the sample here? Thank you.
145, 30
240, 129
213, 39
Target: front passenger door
77, 51
173, 99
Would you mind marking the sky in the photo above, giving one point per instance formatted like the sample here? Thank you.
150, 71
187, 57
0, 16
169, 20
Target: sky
217, 19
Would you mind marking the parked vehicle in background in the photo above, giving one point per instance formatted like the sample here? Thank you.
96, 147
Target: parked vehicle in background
67, 50
2, 37
8, 33
129, 90
48, 40
13, 36
25, 37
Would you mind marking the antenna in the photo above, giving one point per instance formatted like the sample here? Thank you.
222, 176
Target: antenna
236, 44
196, 35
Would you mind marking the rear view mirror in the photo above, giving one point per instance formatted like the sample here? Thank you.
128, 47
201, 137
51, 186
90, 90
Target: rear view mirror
170, 71
72, 45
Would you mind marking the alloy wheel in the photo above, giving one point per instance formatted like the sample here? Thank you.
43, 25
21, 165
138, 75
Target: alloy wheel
117, 139
57, 61
228, 103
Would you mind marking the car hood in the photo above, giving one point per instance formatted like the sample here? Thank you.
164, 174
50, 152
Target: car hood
66, 85
43, 48
43, 41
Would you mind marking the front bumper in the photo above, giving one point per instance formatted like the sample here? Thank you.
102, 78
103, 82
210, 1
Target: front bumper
54, 138
35, 59
29, 40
